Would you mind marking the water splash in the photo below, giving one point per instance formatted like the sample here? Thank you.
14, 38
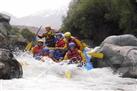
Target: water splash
50, 76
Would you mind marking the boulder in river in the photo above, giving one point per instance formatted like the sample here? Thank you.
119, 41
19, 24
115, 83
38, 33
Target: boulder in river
120, 54
9, 66
121, 40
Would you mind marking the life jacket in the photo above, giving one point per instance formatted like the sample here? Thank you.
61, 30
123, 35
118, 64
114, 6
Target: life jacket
51, 42
58, 54
74, 54
60, 43
49, 39
37, 50
71, 40
48, 34
77, 42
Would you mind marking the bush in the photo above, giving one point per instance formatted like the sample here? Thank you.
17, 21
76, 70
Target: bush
27, 34
96, 19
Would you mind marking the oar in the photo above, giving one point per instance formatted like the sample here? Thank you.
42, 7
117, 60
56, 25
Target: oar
88, 65
29, 45
38, 30
68, 74
96, 54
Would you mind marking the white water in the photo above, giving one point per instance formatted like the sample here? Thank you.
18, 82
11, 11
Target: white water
49, 76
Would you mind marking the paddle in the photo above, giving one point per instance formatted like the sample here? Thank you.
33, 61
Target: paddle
38, 30
29, 45
96, 54
88, 65
68, 74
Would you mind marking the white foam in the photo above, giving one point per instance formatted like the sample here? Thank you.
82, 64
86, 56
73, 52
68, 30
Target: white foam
50, 76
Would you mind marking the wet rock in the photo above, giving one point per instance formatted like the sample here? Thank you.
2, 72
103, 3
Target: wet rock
120, 54
2, 65
121, 40
5, 28
9, 66
4, 17
8, 37
4, 24
17, 42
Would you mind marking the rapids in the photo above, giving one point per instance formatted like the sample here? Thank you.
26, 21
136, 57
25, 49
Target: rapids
50, 76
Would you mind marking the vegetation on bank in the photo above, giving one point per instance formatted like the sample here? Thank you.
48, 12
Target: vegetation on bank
26, 33
96, 19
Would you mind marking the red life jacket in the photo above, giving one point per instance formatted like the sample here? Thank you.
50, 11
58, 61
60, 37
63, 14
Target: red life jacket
60, 43
74, 54
37, 49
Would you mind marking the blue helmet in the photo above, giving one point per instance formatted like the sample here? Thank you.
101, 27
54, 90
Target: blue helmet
51, 51
72, 45
45, 50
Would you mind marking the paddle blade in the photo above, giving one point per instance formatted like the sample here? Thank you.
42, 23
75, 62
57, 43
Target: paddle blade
88, 66
68, 74
96, 54
28, 47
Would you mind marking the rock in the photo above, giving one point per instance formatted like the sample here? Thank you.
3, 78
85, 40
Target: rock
18, 41
4, 17
5, 28
4, 24
9, 66
1, 39
8, 38
2, 65
121, 40
121, 59
120, 54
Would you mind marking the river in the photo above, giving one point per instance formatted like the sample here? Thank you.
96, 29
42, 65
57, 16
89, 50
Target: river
47, 76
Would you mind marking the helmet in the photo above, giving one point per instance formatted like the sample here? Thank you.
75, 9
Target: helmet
59, 34
51, 51
67, 34
45, 49
72, 44
48, 27
40, 40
